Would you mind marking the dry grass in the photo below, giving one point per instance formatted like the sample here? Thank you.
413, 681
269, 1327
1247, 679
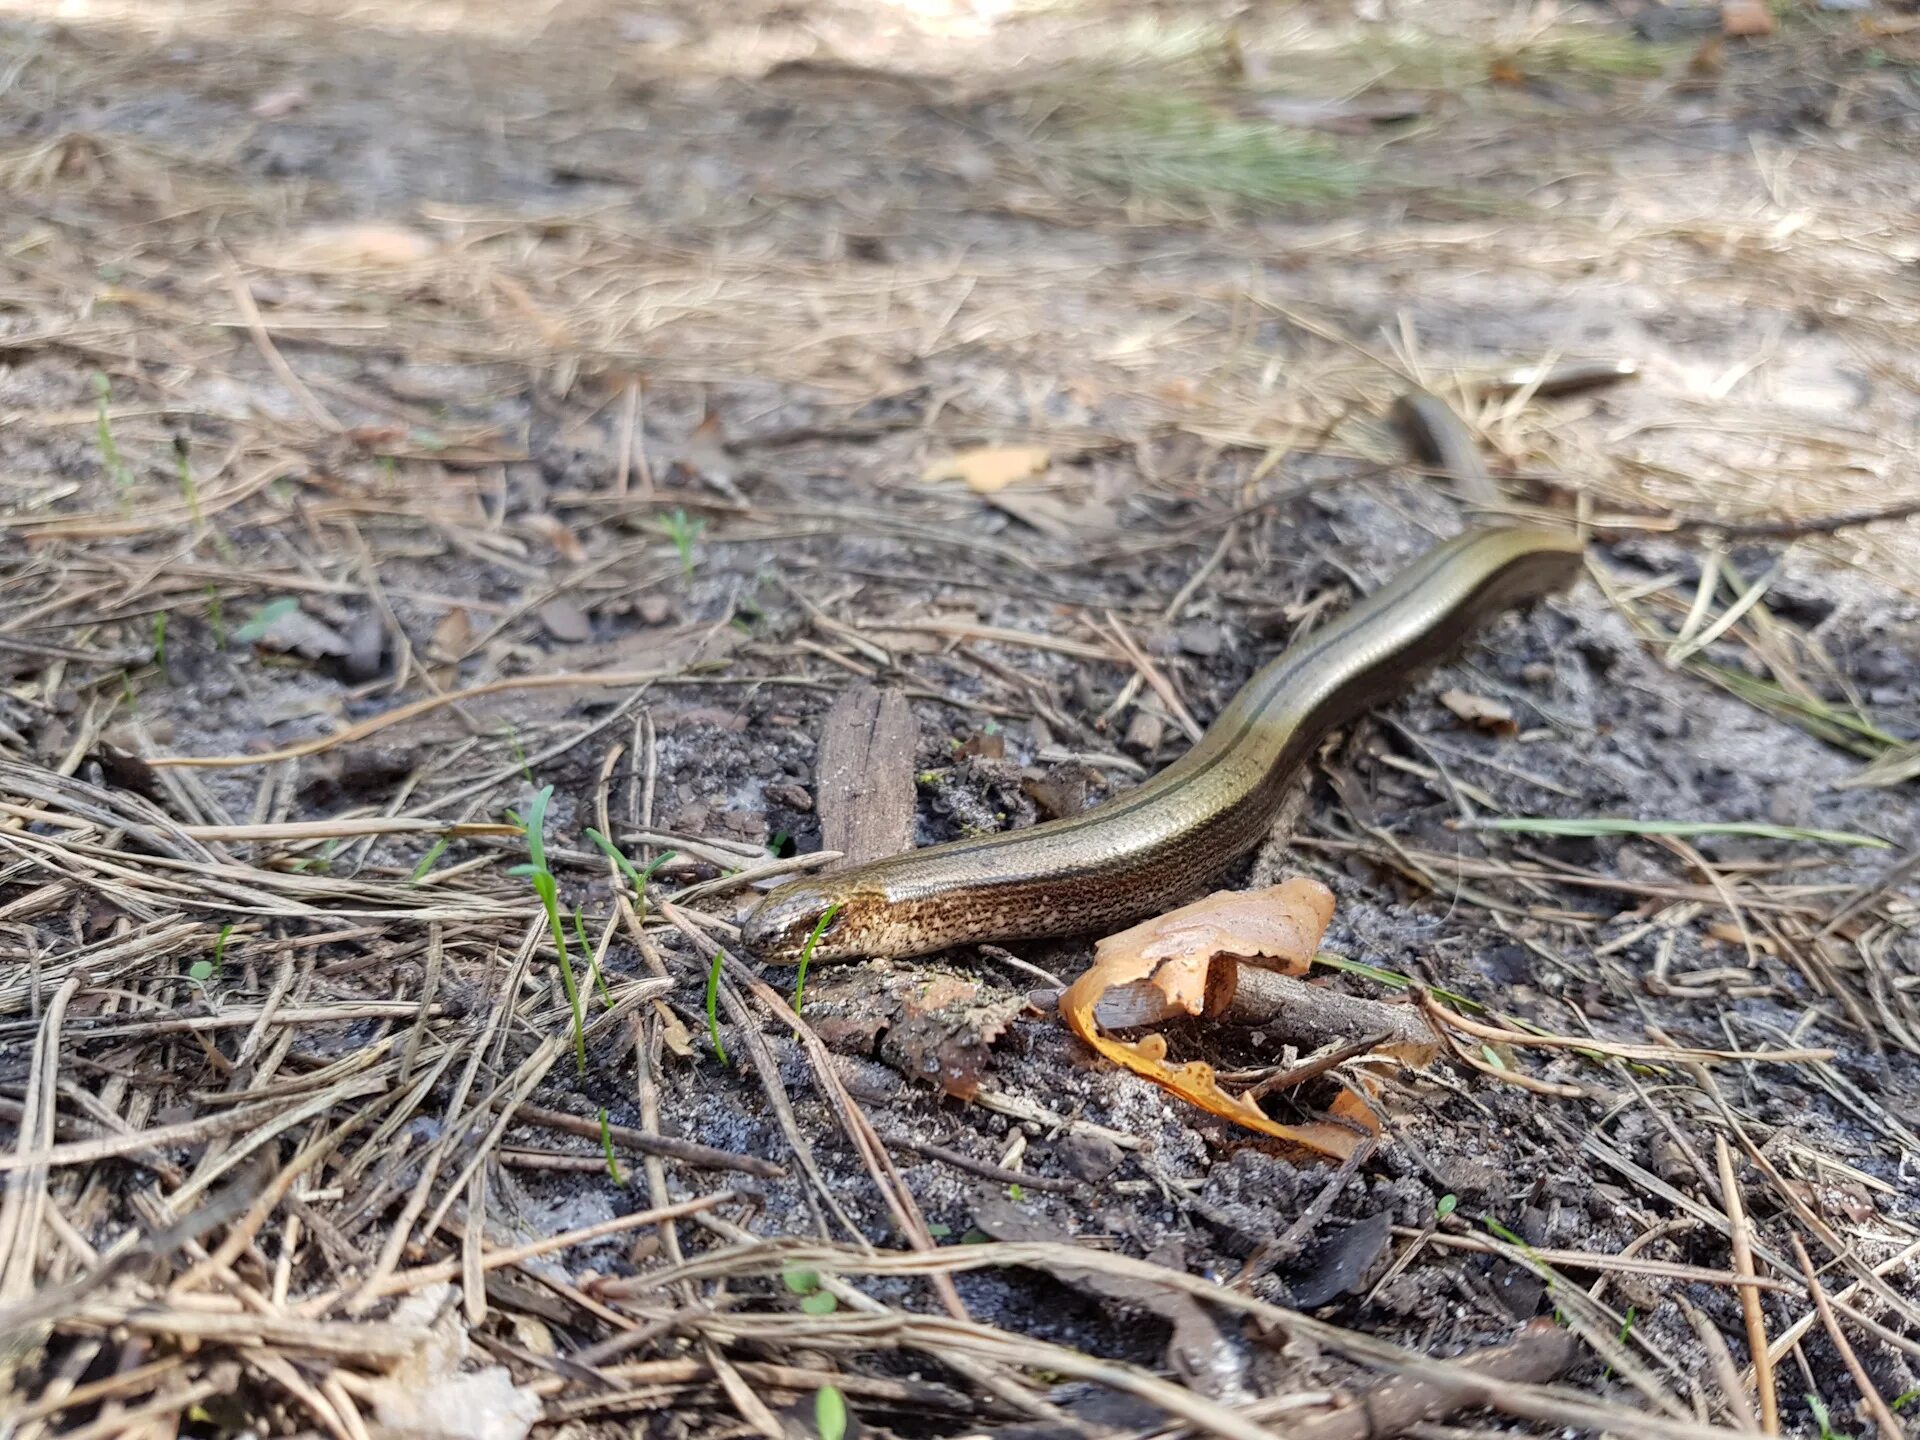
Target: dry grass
279, 1031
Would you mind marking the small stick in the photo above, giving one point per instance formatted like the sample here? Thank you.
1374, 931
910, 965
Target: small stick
982, 1168
1876, 1407
1749, 1297
1151, 672
629, 421
257, 328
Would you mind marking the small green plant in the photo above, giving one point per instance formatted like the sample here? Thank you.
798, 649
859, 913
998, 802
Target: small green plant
713, 1006
202, 971
1174, 150
1901, 1401
806, 955
683, 531
434, 852
593, 960
110, 457
1448, 1204
830, 1412
160, 642
1504, 1233
548, 889
265, 618
1016, 1193
639, 879
806, 1284
606, 1144
1824, 1419
216, 618
189, 492
520, 754
318, 864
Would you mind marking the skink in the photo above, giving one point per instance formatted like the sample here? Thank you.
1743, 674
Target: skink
1159, 843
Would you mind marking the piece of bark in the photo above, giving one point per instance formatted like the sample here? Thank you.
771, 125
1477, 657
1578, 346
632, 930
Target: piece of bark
863, 778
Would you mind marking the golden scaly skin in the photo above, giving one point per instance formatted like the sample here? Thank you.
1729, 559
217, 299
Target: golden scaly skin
1161, 842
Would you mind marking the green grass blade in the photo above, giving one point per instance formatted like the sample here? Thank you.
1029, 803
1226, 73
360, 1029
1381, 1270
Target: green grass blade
713, 1005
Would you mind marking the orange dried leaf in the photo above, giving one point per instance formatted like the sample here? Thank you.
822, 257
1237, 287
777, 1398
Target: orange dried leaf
1174, 953
990, 468
1745, 17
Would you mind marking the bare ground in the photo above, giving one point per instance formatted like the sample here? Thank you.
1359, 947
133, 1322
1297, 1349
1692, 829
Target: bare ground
357, 357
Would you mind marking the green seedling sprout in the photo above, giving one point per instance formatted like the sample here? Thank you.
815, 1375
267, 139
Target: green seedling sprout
265, 618
434, 852
110, 458
806, 954
548, 889
606, 1144
202, 971
829, 1408
713, 1005
160, 641
189, 492
593, 960
216, 618
683, 531
806, 1284
639, 879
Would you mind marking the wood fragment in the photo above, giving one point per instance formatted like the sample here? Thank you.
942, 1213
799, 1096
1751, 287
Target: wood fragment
863, 778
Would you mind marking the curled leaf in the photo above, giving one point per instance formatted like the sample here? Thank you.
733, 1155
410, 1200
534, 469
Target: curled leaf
1175, 954
988, 468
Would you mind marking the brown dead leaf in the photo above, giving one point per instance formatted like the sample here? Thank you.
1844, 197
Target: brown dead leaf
451, 636
565, 621
1175, 953
1710, 58
550, 528
987, 469
705, 454
1493, 716
673, 1034
1745, 18
981, 746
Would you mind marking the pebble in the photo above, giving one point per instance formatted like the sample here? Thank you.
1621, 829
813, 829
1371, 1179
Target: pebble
1090, 1157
